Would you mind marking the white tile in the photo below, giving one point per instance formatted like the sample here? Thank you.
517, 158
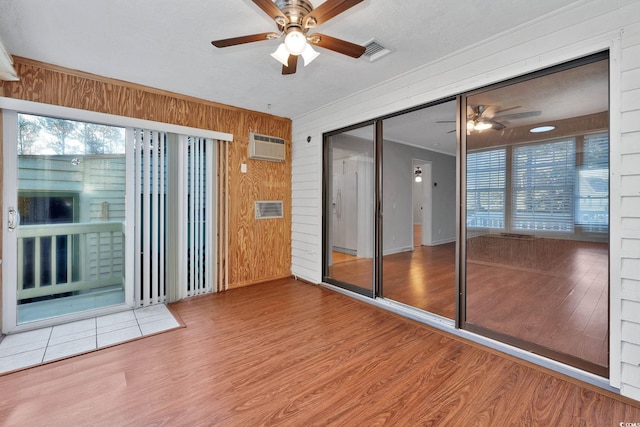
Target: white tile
115, 318
23, 338
152, 312
70, 348
158, 326
73, 331
118, 336
22, 360
73, 327
9, 350
117, 326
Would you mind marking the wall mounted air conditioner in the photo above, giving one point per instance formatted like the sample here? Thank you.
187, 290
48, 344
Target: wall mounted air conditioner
263, 147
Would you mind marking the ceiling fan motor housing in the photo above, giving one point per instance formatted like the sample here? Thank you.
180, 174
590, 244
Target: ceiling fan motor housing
295, 11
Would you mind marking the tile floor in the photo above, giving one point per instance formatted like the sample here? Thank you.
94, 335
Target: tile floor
31, 348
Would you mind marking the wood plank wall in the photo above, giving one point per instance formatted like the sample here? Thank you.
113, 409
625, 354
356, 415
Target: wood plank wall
259, 250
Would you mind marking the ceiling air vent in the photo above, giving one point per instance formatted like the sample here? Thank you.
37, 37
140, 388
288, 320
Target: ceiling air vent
269, 209
264, 147
374, 50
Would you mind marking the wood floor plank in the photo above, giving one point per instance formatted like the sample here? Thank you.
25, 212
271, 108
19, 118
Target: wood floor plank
290, 353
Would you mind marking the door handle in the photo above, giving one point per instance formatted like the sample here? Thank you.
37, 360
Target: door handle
14, 218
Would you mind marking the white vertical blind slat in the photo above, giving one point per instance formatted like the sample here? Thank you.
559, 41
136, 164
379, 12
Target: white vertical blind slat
162, 185
137, 136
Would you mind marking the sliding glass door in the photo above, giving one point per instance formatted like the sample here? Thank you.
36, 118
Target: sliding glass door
102, 218
349, 194
419, 206
537, 214
491, 211
66, 228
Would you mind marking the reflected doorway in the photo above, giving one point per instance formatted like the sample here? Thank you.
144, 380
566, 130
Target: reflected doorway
375, 251
419, 194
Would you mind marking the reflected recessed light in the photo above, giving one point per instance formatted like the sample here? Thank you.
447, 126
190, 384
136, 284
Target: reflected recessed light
540, 129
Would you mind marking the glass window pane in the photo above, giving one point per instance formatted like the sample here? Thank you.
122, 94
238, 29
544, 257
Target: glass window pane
71, 197
537, 215
349, 235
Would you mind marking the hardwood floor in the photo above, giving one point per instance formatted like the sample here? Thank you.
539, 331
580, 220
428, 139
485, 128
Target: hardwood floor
424, 278
542, 294
549, 292
290, 353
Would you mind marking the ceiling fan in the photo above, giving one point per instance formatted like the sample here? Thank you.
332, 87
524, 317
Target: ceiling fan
295, 18
483, 117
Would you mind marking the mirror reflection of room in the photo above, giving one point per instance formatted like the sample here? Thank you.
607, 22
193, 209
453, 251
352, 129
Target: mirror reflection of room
537, 215
419, 209
350, 219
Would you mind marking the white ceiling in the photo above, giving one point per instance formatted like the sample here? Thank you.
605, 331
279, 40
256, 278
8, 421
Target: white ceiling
167, 44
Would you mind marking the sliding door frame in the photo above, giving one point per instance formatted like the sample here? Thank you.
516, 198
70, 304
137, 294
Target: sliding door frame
461, 322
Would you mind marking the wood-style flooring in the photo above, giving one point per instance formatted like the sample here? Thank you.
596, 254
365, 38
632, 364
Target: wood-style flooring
549, 292
552, 294
295, 354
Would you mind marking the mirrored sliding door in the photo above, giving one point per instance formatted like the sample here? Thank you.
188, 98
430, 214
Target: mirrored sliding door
537, 214
419, 205
350, 209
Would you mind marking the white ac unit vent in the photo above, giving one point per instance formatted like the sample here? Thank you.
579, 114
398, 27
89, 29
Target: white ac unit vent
264, 147
375, 50
269, 209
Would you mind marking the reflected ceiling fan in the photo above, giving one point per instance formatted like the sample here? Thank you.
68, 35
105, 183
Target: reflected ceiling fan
483, 117
295, 18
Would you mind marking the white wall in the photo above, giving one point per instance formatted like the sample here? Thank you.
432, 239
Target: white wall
580, 29
397, 189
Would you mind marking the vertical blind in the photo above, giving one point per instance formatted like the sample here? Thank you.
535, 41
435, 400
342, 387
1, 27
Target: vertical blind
150, 189
175, 186
198, 199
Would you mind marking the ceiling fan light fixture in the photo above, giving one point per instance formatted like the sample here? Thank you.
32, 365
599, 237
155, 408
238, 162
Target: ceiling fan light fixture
281, 54
295, 42
482, 126
417, 174
308, 54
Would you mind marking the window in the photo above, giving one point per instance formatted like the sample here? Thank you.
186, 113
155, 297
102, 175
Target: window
486, 183
592, 195
543, 177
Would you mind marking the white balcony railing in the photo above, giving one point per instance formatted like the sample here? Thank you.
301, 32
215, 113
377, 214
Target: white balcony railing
60, 258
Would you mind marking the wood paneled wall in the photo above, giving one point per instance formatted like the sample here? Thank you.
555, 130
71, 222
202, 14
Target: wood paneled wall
259, 250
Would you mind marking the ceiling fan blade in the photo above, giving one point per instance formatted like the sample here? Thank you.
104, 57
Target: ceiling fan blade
270, 8
244, 39
516, 116
496, 125
506, 109
346, 48
326, 11
291, 68
446, 121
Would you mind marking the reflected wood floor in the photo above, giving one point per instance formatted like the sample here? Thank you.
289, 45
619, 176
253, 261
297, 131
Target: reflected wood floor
424, 278
290, 353
553, 293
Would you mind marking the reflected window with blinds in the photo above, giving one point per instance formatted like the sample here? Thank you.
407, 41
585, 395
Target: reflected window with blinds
592, 185
486, 181
543, 186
